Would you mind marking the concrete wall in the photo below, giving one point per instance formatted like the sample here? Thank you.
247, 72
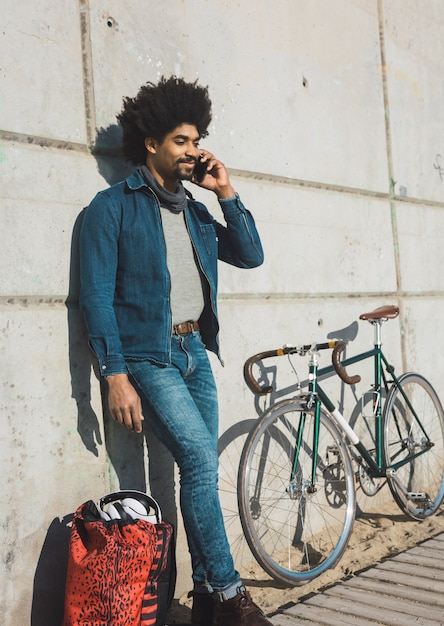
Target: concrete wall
329, 116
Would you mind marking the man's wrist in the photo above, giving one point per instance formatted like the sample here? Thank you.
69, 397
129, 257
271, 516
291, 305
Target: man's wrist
116, 378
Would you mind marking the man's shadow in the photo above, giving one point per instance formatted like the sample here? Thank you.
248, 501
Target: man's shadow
139, 461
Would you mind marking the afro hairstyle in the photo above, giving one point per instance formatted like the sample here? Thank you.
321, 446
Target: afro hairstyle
158, 109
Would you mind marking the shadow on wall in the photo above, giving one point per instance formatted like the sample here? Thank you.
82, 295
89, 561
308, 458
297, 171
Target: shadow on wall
125, 450
108, 154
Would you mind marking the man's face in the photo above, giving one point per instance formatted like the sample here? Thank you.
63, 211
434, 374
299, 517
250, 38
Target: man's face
175, 157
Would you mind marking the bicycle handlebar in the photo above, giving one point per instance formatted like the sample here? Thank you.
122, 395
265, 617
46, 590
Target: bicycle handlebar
339, 368
250, 380
252, 383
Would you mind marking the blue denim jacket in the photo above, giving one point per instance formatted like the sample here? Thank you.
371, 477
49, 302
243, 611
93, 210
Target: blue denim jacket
124, 279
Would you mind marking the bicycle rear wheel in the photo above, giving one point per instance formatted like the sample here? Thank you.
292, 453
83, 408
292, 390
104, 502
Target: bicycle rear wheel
418, 485
295, 533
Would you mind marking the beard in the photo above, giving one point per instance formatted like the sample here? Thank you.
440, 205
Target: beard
184, 173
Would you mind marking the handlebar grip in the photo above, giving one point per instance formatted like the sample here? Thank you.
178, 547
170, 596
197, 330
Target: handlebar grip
339, 368
252, 383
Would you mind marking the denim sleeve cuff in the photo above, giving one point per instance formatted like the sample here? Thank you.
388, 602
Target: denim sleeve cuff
232, 203
112, 365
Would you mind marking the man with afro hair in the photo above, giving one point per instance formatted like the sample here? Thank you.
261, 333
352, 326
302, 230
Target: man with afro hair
149, 255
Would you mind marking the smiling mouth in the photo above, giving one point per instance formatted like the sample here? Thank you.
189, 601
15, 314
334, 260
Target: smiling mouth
188, 165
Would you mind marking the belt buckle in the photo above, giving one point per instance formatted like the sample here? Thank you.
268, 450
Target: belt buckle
184, 328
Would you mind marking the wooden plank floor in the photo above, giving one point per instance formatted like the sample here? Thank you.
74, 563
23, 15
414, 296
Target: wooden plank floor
407, 590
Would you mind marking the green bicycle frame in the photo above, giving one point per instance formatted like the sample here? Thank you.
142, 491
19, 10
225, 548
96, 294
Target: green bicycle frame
317, 397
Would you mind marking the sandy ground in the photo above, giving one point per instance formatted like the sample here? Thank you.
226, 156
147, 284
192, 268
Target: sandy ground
376, 535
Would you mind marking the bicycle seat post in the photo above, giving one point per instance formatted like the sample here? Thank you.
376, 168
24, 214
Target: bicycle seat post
376, 317
377, 332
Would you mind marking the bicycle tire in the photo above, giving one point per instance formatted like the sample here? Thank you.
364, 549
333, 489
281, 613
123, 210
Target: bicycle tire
294, 535
417, 486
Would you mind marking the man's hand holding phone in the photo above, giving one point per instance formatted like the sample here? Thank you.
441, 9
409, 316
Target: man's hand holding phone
211, 174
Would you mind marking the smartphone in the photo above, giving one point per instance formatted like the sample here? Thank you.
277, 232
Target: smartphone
200, 169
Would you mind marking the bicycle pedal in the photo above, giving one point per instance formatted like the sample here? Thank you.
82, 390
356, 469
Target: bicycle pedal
418, 497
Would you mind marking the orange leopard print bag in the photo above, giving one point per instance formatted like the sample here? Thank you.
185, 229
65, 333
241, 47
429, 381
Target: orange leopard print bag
120, 571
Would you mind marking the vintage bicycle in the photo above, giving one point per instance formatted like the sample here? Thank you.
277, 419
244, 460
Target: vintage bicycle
297, 476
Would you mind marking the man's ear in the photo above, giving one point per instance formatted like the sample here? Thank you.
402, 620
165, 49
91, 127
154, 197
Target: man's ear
151, 145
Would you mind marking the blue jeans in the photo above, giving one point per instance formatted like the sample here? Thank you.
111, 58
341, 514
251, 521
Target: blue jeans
180, 404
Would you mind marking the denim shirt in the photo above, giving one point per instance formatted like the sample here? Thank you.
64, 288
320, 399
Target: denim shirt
124, 278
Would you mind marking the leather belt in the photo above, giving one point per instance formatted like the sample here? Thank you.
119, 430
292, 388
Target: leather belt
185, 328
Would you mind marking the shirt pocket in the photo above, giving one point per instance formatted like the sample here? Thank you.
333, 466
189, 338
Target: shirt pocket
209, 238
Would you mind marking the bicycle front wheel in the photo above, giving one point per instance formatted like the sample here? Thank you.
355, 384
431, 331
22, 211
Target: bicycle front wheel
295, 530
414, 446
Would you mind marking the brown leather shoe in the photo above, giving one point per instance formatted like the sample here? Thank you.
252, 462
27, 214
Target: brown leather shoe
239, 611
202, 609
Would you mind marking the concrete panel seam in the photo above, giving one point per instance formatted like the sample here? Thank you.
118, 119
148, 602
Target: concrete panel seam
354, 191
356, 295
27, 301
63, 300
385, 95
88, 78
43, 142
